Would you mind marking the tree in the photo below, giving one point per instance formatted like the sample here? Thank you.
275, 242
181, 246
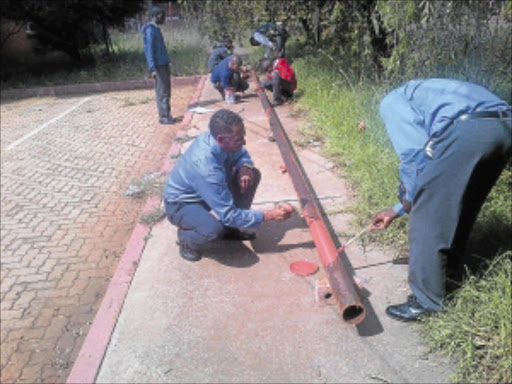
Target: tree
70, 25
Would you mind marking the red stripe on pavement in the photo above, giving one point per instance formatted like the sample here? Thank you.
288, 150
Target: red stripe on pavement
88, 362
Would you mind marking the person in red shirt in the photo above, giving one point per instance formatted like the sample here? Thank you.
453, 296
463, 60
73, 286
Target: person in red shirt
280, 79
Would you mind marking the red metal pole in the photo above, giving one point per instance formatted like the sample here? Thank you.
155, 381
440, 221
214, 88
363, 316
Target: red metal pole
344, 289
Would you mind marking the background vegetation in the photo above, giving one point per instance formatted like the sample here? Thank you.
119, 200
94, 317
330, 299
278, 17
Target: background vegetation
125, 60
347, 55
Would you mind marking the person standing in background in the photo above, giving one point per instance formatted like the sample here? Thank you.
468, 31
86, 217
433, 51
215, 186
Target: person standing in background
158, 63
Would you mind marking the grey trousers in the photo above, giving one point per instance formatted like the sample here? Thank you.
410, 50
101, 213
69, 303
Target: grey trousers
163, 90
196, 225
467, 160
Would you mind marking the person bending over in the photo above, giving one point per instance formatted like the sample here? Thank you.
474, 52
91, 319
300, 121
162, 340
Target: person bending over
453, 139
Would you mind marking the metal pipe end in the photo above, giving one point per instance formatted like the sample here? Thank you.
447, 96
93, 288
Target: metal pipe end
353, 314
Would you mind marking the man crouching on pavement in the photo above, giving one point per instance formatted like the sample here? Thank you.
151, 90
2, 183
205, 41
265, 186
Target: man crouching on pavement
216, 175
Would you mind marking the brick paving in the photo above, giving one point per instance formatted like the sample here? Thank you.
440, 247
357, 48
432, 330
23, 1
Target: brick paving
65, 219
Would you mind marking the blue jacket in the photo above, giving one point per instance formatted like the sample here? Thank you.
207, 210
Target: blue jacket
154, 47
421, 110
219, 53
222, 73
202, 175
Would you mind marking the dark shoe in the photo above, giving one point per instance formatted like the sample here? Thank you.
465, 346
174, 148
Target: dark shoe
278, 102
166, 120
186, 252
410, 311
189, 254
237, 235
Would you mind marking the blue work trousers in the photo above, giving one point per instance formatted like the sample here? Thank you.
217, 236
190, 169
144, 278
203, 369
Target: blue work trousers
467, 160
196, 225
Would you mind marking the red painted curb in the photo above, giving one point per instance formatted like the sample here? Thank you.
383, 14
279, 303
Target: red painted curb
77, 89
90, 357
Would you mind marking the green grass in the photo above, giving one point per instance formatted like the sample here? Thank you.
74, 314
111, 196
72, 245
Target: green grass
186, 47
476, 327
365, 158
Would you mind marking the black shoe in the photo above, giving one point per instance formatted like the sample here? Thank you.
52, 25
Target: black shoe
186, 252
410, 311
166, 120
278, 102
189, 254
237, 235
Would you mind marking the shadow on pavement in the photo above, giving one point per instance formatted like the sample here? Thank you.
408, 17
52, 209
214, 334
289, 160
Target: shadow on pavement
371, 324
233, 254
271, 234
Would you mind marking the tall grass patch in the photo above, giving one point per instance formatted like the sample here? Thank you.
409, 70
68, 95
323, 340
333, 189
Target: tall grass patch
476, 329
365, 157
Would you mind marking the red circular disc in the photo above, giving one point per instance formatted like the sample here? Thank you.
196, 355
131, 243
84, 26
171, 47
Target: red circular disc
303, 267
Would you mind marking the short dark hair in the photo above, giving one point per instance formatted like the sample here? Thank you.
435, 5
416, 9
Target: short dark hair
155, 11
236, 59
223, 121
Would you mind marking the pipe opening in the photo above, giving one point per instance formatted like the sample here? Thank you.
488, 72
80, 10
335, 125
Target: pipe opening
353, 314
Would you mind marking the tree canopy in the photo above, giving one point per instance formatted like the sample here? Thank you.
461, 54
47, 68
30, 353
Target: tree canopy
70, 25
383, 39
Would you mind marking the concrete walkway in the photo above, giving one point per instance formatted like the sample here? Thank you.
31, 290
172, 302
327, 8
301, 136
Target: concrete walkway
240, 315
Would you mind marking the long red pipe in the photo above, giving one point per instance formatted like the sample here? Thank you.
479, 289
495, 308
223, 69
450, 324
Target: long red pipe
344, 289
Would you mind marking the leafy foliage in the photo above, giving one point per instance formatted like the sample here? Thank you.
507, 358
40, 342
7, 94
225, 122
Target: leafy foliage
469, 40
384, 40
70, 25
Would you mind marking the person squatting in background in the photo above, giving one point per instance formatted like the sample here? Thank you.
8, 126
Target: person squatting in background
280, 79
221, 50
227, 79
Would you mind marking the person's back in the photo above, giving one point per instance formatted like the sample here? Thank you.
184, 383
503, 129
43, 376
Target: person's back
286, 72
219, 53
222, 72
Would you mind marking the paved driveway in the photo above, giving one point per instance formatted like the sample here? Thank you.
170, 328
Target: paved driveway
65, 165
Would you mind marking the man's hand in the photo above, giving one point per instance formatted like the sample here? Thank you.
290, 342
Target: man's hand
153, 74
280, 213
382, 220
245, 178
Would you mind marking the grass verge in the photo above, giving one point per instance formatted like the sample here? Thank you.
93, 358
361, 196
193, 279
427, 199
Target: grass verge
476, 328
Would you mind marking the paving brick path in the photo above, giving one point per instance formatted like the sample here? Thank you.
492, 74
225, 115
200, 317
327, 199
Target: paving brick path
66, 163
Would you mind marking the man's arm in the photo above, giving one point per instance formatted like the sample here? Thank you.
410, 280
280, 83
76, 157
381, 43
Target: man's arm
150, 51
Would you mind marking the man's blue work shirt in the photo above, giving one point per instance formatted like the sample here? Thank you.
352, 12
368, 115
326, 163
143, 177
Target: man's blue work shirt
201, 175
154, 47
422, 110
222, 73
219, 53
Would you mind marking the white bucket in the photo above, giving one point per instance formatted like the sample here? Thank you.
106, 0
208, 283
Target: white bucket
230, 96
